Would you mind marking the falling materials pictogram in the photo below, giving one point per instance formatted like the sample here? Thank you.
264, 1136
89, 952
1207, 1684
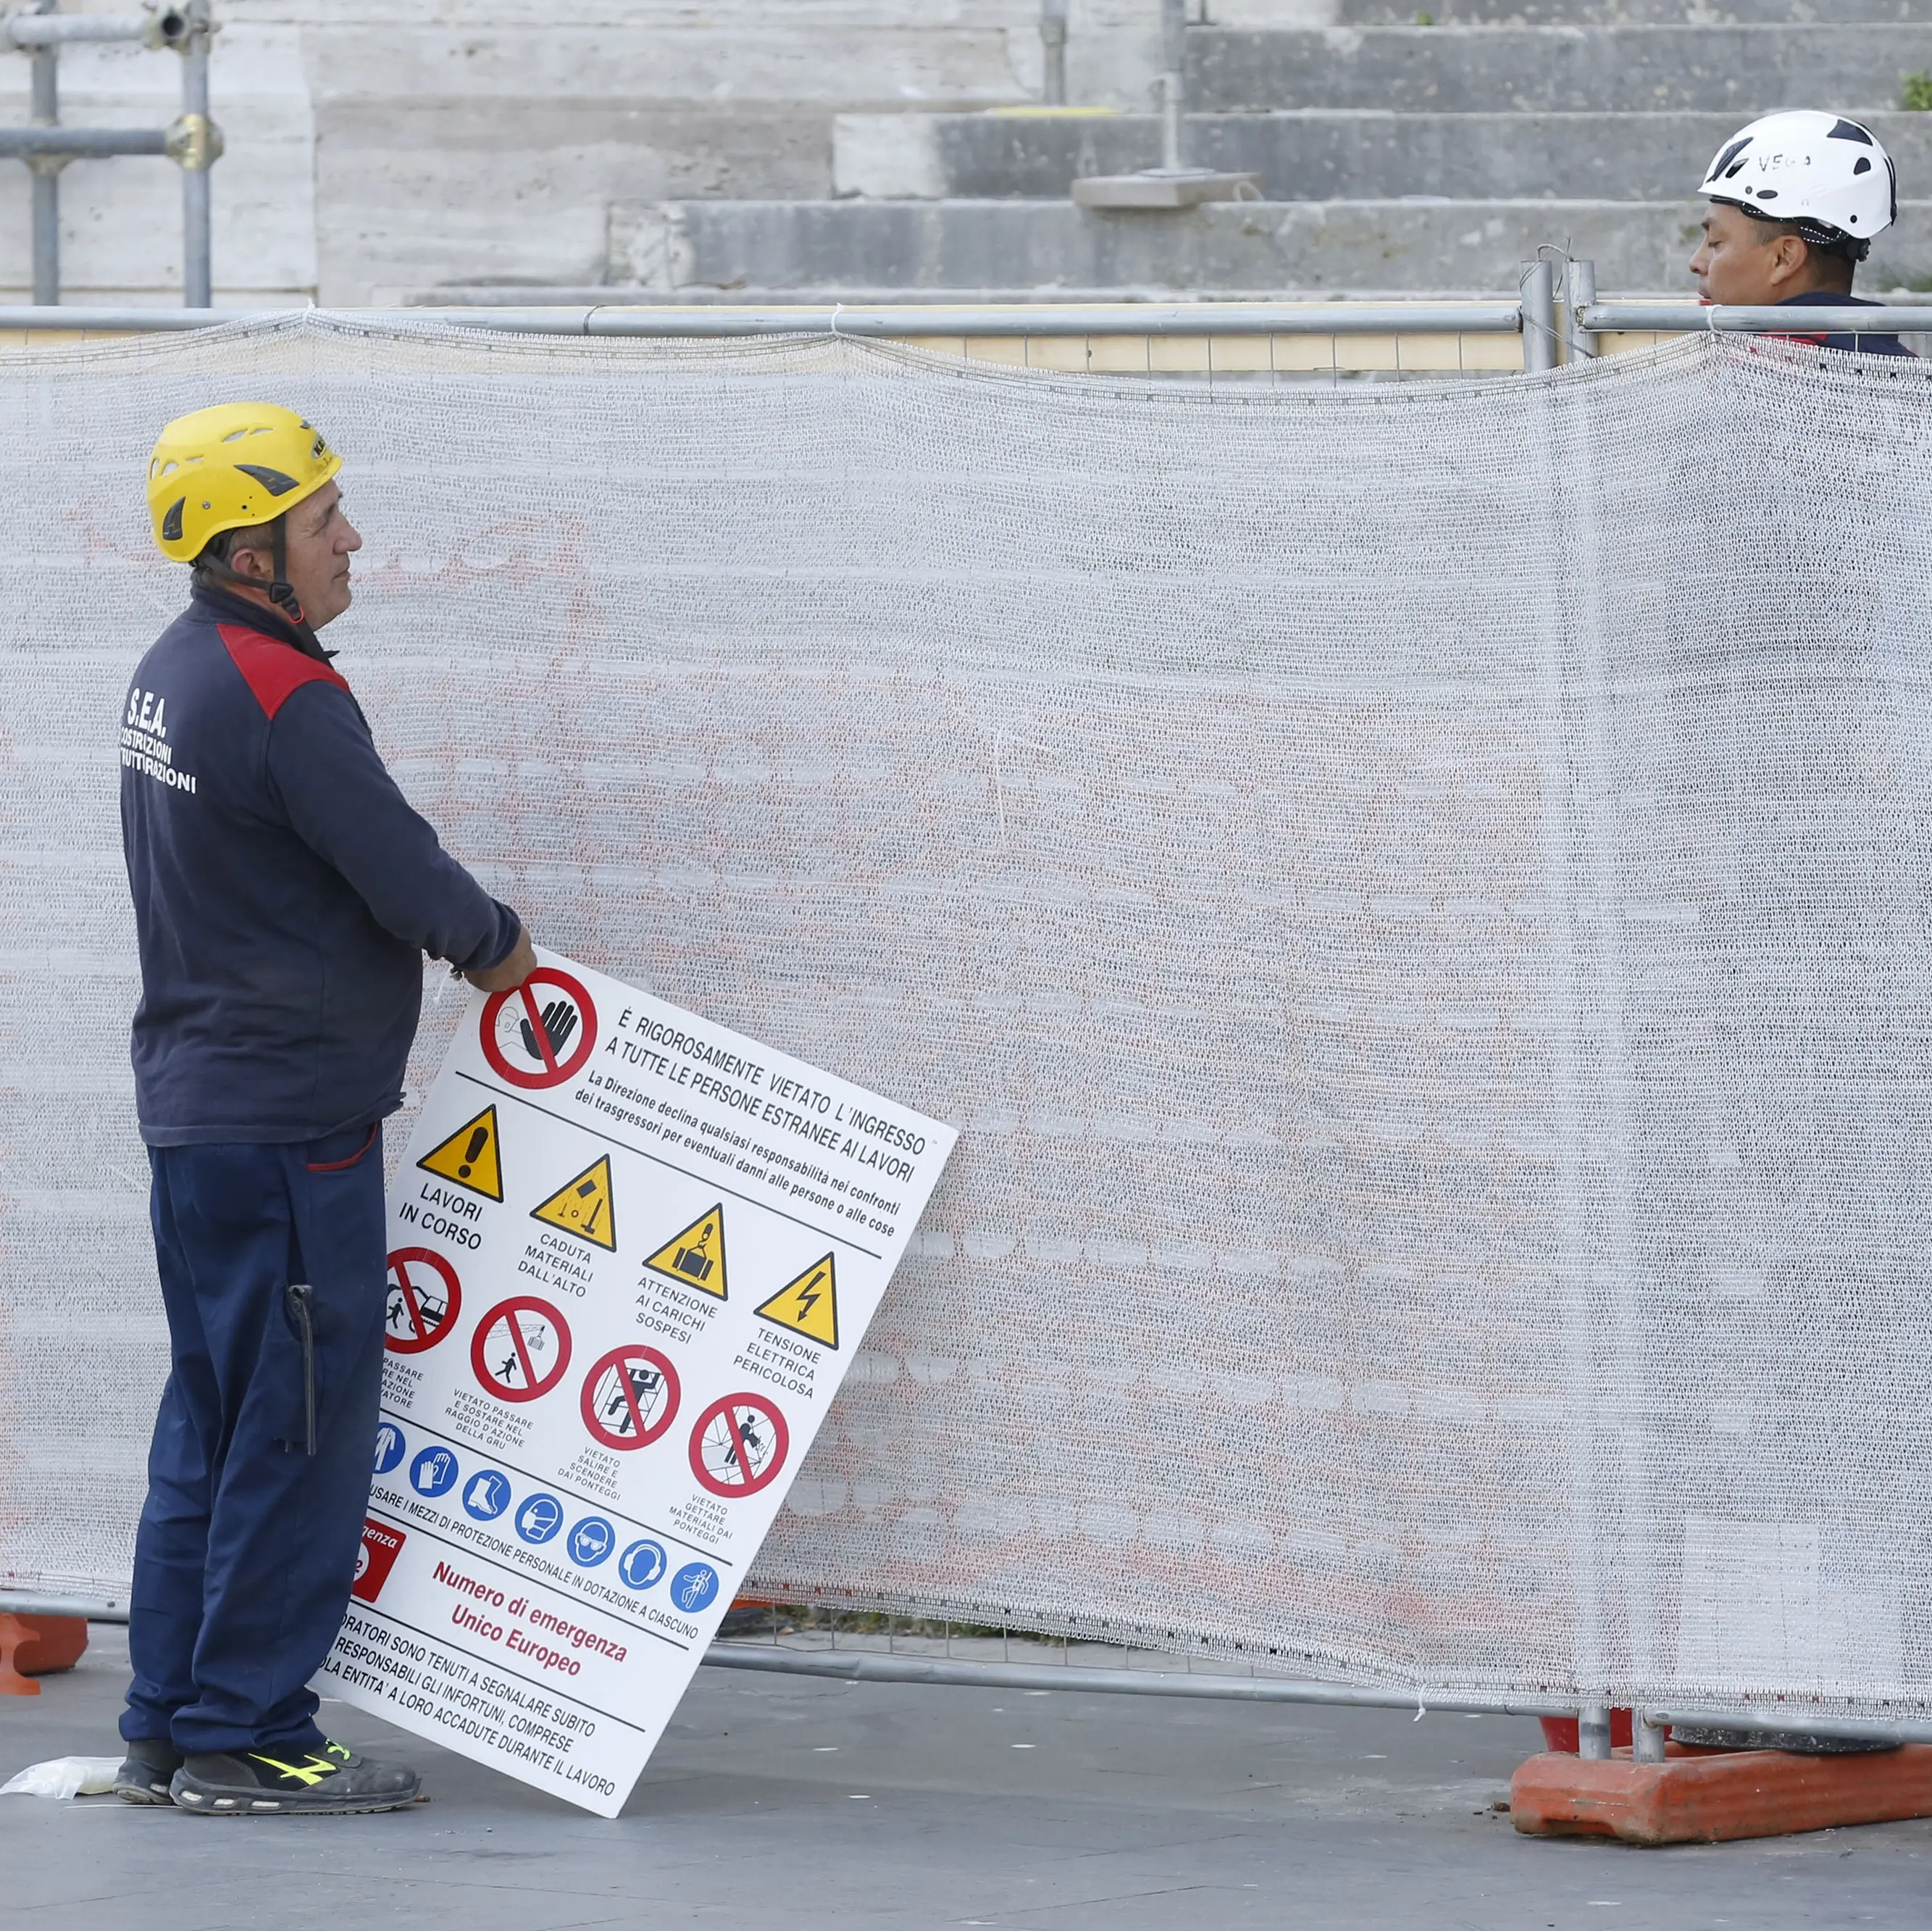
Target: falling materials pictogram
585, 1207
695, 1258
471, 1156
808, 1305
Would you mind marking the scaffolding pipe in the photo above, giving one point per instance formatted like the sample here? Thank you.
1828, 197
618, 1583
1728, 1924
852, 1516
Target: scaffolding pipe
45, 170
194, 141
195, 144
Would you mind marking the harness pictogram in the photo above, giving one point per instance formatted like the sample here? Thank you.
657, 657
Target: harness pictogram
630, 1397
738, 1444
585, 1207
520, 1348
425, 1298
540, 1034
470, 1156
808, 1306
695, 1258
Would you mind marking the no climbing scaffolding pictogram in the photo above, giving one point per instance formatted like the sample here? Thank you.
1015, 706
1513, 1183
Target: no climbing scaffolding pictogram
425, 1298
738, 1446
520, 1348
630, 1397
541, 1034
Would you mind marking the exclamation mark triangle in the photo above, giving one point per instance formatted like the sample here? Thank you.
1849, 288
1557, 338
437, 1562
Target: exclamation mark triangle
470, 1156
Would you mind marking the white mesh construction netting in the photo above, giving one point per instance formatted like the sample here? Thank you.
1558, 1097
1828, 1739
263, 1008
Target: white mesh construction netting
1417, 898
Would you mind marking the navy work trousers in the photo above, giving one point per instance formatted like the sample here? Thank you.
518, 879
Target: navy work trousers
248, 1540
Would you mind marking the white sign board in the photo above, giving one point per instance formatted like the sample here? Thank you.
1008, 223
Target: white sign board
632, 1256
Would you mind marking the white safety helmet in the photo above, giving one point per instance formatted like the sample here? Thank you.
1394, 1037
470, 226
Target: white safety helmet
1827, 174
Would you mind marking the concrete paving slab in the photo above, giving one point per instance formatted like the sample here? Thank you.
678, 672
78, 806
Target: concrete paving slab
775, 1801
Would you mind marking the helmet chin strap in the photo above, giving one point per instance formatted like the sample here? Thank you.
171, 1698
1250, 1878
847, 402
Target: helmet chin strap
281, 592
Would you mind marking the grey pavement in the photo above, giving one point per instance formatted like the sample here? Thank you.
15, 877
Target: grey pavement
777, 1801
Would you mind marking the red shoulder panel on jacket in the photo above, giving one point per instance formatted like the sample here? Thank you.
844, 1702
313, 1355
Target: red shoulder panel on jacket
273, 671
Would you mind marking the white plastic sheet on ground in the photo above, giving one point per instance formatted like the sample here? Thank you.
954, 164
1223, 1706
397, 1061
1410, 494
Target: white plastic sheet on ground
1416, 898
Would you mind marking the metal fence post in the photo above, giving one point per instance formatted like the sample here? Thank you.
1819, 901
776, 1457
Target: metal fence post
1593, 1730
1053, 41
1579, 293
1536, 283
46, 170
1647, 1739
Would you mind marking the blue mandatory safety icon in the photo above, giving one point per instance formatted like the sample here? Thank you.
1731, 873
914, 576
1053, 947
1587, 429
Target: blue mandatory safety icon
591, 1541
389, 1447
642, 1564
433, 1472
488, 1495
693, 1587
539, 1518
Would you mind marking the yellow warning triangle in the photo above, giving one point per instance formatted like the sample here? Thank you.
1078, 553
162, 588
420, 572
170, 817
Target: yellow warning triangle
469, 1157
695, 1258
585, 1207
808, 1306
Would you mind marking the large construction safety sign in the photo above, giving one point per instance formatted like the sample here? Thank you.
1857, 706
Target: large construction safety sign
590, 1416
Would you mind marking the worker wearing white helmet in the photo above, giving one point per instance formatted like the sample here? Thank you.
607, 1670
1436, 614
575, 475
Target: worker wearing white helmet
1795, 200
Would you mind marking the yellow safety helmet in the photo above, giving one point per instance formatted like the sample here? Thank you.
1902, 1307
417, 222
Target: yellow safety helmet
227, 467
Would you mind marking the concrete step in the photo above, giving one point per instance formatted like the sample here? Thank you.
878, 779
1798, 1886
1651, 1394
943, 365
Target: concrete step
1314, 155
1629, 13
1252, 248
1746, 70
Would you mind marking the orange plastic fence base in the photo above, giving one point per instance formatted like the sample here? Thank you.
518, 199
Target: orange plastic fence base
1705, 1798
31, 1646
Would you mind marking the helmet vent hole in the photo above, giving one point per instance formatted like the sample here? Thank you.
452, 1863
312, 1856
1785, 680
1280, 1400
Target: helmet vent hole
1864, 165
273, 480
171, 523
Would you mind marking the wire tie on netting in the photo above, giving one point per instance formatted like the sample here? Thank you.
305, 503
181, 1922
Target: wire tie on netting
1421, 1711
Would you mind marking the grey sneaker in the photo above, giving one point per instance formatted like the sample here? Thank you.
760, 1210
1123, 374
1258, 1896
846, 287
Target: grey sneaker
145, 1775
332, 1782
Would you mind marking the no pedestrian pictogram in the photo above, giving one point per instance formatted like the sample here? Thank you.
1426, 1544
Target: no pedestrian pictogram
541, 1034
808, 1306
425, 1298
630, 1397
738, 1444
585, 1207
695, 1258
520, 1348
470, 1156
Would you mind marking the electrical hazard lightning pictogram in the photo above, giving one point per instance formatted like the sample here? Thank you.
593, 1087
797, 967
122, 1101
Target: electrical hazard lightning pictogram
585, 1207
469, 1157
695, 1258
807, 1306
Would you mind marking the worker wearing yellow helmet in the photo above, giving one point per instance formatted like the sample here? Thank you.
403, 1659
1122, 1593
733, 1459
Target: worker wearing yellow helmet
285, 892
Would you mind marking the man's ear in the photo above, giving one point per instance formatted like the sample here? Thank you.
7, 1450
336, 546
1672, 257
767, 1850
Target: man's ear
1790, 255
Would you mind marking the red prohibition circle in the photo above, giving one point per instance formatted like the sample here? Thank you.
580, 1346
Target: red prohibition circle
735, 1442
423, 1320
614, 1404
556, 1071
483, 1354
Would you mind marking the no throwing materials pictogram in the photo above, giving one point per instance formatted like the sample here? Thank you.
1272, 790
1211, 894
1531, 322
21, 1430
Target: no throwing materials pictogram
425, 1298
541, 1034
630, 1397
520, 1348
738, 1446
